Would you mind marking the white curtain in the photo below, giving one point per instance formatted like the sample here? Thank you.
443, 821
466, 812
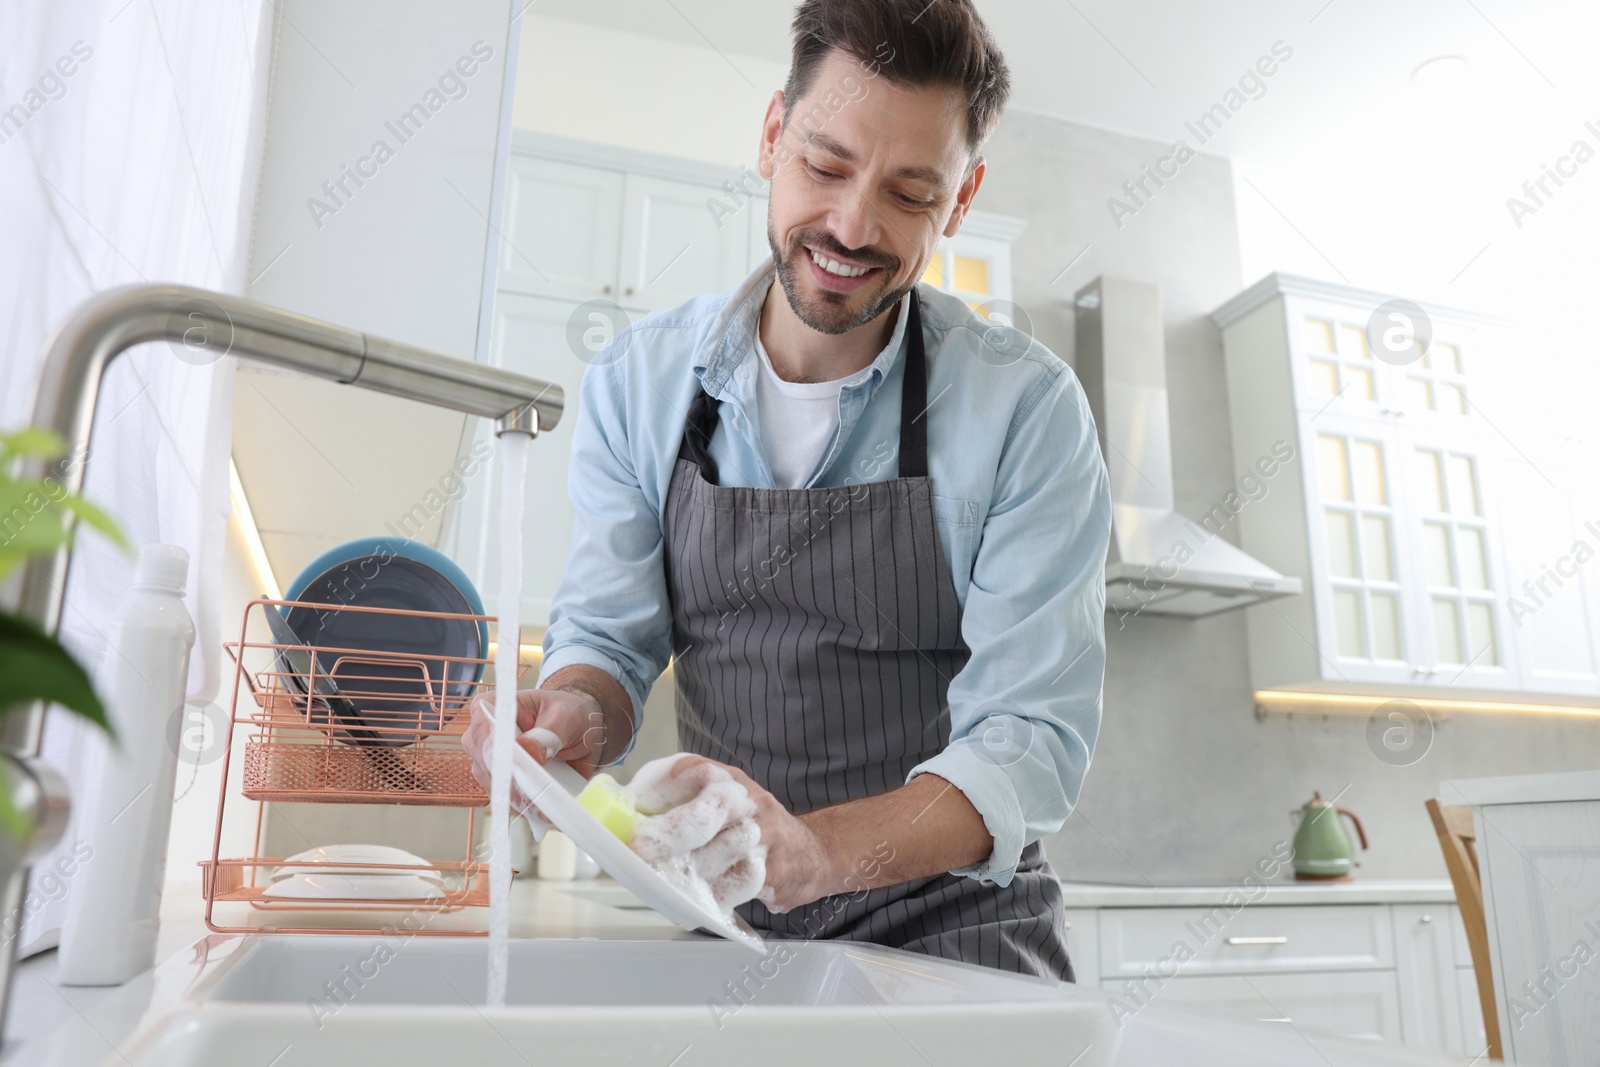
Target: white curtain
130, 134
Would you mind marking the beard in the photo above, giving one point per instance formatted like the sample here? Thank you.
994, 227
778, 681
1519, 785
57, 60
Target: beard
828, 312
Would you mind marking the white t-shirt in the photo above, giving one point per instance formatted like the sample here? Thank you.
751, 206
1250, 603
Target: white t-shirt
797, 420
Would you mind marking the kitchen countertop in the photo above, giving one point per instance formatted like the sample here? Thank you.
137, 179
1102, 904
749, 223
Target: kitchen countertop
1359, 891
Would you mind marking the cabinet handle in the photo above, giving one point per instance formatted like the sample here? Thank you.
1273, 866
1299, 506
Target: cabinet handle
1278, 940
606, 289
1066, 926
1279, 1019
628, 291
1425, 919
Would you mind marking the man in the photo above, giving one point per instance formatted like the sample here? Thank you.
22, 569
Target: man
868, 527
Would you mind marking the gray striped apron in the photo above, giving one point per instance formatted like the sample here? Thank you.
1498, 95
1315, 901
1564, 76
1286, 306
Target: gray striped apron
815, 633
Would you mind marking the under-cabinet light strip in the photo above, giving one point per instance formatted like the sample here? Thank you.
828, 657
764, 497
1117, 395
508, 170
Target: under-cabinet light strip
252, 535
1356, 704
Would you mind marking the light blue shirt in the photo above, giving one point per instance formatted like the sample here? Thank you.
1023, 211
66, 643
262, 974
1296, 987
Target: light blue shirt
1021, 500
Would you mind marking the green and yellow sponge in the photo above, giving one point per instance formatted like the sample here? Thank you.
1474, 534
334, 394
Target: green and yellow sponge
611, 804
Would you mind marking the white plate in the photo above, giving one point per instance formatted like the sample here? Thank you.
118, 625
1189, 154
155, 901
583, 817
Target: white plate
327, 855
554, 787
323, 886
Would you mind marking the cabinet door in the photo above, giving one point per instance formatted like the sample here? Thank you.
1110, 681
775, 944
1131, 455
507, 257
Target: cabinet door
530, 337
562, 229
1541, 892
1333, 366
1347, 1003
1463, 637
977, 269
1430, 1011
1548, 516
1361, 570
675, 246
1474, 1040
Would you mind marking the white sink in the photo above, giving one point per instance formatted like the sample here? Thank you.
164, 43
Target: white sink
332, 1001
397, 1002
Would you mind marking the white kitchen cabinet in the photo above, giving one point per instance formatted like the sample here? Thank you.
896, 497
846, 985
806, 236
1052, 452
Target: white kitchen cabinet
1550, 522
562, 227
1351, 1004
674, 246
1539, 855
1406, 515
1425, 967
1253, 940
1474, 1039
1357, 959
975, 265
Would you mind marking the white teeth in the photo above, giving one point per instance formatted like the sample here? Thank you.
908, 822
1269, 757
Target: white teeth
835, 267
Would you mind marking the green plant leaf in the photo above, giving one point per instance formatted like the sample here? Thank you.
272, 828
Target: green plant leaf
35, 666
31, 441
11, 820
29, 523
91, 514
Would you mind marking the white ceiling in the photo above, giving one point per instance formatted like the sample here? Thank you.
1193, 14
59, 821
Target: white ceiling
1145, 66
1344, 168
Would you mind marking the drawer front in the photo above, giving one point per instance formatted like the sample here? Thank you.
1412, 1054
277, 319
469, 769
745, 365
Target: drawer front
1348, 1003
1257, 939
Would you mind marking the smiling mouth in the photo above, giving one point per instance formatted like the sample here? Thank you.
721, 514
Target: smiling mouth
837, 269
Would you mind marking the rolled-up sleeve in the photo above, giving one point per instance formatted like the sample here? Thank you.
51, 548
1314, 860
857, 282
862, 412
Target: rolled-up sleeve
611, 609
1025, 710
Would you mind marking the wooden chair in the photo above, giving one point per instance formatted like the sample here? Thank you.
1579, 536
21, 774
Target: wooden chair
1458, 838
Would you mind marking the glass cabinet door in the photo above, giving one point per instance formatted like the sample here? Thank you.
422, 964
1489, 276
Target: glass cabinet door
1338, 373
1356, 525
1338, 367
1461, 588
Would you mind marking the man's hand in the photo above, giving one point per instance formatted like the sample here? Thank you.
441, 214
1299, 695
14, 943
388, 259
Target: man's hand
564, 719
581, 716
923, 828
796, 871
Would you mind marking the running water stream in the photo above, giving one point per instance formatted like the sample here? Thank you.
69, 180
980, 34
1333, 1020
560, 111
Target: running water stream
513, 482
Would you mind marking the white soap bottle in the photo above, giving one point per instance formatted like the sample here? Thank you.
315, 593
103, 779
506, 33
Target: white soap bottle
114, 905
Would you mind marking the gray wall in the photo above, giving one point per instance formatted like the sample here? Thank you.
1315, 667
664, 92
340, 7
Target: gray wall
1187, 786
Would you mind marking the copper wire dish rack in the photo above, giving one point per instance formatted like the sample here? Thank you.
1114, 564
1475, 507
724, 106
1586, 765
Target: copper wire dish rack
327, 725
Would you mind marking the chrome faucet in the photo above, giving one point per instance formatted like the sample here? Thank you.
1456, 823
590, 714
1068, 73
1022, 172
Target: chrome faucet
208, 325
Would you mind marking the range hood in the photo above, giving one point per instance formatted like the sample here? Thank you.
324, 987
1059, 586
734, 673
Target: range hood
1160, 562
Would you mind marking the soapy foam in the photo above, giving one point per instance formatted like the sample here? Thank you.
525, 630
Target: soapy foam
697, 829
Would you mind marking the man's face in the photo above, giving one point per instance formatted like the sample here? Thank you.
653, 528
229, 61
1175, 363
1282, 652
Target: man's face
866, 177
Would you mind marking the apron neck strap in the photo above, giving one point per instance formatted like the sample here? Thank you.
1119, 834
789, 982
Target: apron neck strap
702, 420
914, 399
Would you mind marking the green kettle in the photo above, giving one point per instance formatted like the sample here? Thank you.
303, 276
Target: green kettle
1322, 850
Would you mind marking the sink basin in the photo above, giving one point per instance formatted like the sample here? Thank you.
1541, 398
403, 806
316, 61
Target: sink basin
708, 975
334, 1001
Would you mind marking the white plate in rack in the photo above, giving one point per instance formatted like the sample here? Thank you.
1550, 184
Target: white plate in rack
338, 885
554, 787
326, 859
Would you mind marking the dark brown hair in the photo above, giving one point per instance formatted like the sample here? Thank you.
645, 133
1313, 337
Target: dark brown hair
917, 43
